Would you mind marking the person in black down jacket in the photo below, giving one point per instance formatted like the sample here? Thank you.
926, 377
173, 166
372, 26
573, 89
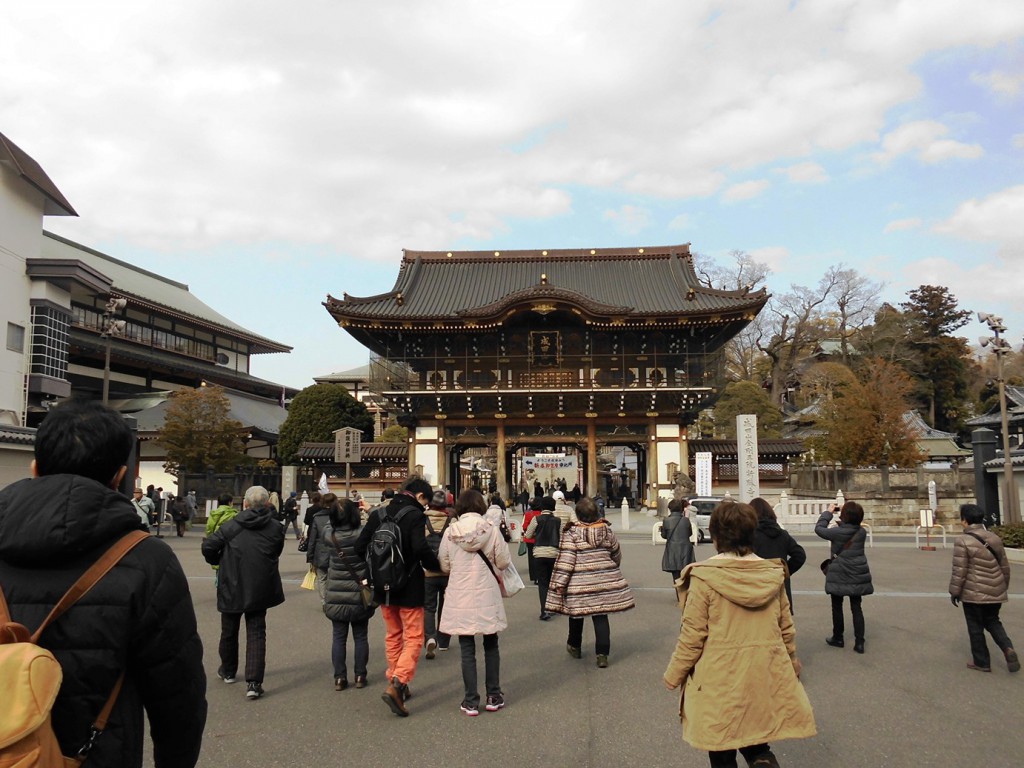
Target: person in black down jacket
402, 609
247, 548
343, 602
848, 573
772, 542
318, 552
676, 531
138, 619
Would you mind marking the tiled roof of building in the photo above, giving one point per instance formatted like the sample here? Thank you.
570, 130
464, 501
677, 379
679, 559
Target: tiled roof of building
17, 435
619, 282
22, 164
146, 287
368, 451
765, 447
256, 413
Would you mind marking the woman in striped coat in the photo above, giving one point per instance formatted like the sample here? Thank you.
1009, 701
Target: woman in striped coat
587, 581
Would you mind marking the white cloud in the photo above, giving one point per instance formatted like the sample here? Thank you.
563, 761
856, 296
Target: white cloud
805, 173
629, 219
682, 221
925, 139
1018, 141
775, 256
745, 190
901, 225
995, 218
1003, 84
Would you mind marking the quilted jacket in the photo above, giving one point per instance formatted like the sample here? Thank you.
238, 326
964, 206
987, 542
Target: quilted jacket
978, 576
138, 618
586, 580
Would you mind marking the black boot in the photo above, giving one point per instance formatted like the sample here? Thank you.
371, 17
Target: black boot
858, 646
835, 642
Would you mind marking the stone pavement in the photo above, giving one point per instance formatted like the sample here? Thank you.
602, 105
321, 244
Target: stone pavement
909, 701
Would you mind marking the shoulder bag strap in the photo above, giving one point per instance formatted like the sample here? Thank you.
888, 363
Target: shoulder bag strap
85, 582
490, 567
985, 544
88, 579
341, 554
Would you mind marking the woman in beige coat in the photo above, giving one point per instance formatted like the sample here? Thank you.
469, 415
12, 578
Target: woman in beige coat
736, 622
472, 552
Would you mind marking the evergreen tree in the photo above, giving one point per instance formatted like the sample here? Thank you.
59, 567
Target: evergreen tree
945, 366
742, 397
314, 415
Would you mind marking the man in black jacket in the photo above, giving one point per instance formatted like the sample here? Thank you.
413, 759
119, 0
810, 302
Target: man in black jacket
138, 619
402, 609
247, 549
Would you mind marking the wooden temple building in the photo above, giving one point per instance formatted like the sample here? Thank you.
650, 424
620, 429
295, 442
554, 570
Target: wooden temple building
599, 354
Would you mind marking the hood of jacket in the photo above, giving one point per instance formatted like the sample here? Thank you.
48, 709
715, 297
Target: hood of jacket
595, 534
48, 520
470, 532
254, 517
769, 528
747, 583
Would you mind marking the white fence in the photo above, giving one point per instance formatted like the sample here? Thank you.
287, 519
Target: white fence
800, 515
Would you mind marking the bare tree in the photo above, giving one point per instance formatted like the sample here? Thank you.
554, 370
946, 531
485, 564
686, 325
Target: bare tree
796, 321
857, 299
745, 273
744, 360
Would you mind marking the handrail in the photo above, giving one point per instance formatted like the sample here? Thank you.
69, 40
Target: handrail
917, 534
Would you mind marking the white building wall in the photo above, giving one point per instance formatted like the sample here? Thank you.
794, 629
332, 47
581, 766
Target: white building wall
21, 227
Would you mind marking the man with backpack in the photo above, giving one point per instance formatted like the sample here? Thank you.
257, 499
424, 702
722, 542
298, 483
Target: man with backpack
395, 546
135, 628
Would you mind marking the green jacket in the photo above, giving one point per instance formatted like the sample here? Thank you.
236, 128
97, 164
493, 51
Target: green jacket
218, 517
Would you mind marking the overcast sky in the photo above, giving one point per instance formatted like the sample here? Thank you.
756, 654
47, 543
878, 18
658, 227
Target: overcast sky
268, 154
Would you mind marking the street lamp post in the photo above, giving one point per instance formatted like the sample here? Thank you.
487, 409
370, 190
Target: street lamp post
111, 327
1000, 347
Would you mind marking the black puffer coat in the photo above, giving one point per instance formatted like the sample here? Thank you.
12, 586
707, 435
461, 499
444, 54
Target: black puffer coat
848, 573
247, 548
318, 552
343, 601
139, 617
772, 542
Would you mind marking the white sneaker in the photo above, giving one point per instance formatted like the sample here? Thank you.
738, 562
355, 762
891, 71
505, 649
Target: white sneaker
431, 647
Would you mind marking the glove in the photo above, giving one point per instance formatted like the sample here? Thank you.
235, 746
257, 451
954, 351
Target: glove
955, 601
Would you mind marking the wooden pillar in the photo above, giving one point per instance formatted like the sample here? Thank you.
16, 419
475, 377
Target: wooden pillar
499, 460
592, 489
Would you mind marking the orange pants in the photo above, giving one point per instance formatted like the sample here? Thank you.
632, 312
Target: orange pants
403, 640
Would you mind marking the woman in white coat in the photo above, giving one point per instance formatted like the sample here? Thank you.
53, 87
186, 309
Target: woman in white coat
473, 553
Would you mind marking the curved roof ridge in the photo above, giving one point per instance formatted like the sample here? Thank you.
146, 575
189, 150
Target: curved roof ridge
547, 292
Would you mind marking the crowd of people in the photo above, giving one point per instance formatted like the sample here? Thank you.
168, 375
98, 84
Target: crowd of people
435, 567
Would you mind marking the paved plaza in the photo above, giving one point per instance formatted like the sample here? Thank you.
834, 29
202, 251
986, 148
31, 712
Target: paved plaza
909, 701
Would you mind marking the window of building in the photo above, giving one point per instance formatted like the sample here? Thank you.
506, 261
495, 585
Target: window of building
15, 337
49, 342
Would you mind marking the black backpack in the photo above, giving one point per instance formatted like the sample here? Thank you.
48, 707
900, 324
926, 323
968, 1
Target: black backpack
434, 537
384, 558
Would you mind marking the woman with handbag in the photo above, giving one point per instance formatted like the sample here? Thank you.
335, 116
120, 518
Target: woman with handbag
736, 653
529, 541
586, 580
348, 599
676, 530
473, 553
546, 531
847, 574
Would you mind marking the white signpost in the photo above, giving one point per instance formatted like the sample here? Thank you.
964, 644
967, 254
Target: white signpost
703, 471
749, 466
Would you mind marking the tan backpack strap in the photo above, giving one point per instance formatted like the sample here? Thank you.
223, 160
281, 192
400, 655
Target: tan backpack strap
88, 579
100, 724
